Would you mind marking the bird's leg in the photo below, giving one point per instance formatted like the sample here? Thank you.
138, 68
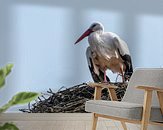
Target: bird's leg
105, 80
105, 77
123, 78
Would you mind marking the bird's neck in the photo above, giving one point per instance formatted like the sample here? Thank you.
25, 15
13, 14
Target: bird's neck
94, 38
99, 32
96, 34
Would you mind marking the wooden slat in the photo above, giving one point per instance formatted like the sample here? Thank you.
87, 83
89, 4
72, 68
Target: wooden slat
119, 119
156, 123
112, 94
97, 93
150, 88
94, 121
97, 96
127, 120
160, 98
102, 85
124, 125
146, 109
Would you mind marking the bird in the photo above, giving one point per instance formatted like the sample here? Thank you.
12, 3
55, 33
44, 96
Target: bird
106, 50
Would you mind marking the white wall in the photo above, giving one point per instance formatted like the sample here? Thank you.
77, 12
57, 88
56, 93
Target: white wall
38, 37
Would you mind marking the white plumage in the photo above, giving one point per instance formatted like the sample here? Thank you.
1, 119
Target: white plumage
106, 51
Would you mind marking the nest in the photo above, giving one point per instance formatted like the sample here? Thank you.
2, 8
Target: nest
69, 100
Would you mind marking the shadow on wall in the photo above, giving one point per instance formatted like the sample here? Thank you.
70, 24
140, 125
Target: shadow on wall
129, 9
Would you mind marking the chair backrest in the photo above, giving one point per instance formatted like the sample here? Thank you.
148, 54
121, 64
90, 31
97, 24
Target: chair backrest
143, 77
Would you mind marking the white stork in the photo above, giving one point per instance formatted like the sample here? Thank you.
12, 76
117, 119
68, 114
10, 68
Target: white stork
106, 51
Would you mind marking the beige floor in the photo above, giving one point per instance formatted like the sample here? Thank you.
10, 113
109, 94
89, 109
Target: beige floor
68, 121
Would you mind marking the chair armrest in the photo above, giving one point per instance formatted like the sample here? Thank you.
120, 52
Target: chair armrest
147, 88
99, 86
102, 85
148, 101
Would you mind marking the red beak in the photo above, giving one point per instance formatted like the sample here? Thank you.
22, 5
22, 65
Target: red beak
86, 33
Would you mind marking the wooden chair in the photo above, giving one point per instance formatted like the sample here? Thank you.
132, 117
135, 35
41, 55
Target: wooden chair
141, 104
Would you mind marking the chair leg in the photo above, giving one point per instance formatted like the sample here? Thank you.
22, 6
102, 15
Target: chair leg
124, 125
146, 109
160, 98
94, 121
144, 126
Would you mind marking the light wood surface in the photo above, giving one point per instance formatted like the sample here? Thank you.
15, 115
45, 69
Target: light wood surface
146, 109
112, 94
58, 121
94, 121
97, 93
160, 98
102, 85
97, 96
150, 88
124, 125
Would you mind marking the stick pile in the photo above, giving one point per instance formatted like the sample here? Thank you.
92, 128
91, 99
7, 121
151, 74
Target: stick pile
69, 100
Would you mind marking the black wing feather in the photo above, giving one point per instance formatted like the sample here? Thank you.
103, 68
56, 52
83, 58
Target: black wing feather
129, 68
96, 77
125, 57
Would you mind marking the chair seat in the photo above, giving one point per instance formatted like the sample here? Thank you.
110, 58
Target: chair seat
125, 110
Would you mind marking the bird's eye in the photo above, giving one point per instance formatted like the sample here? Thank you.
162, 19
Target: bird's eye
93, 25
